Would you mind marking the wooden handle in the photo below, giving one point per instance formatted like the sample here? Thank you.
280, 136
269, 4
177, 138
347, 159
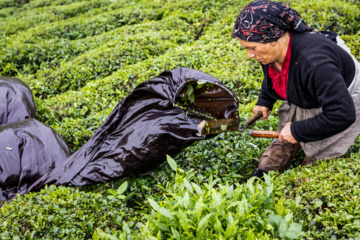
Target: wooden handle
251, 120
264, 134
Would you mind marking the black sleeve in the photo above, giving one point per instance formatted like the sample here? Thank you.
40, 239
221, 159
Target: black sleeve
326, 84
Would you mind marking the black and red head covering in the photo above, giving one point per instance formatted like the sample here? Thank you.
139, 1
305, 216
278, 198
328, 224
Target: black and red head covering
267, 21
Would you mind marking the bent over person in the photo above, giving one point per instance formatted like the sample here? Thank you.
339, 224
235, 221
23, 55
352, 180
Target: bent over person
315, 76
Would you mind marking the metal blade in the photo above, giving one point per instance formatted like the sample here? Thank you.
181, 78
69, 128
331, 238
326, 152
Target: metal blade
208, 127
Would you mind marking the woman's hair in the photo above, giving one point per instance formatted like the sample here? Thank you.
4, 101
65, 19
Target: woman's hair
267, 21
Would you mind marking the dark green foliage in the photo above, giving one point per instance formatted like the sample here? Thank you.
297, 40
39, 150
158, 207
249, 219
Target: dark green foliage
12, 3
327, 196
32, 17
102, 62
28, 58
60, 213
81, 58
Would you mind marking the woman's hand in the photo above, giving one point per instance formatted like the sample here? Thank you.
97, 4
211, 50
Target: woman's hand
265, 111
285, 134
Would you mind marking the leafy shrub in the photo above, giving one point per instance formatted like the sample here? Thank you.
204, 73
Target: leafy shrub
101, 62
337, 16
81, 27
216, 211
114, 55
5, 12
59, 213
45, 3
78, 27
327, 195
353, 42
32, 17
28, 58
12, 3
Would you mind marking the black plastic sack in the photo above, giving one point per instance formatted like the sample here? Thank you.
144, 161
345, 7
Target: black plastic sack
28, 148
16, 100
159, 117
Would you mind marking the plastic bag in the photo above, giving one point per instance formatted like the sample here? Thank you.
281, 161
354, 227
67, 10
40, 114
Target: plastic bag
28, 148
159, 117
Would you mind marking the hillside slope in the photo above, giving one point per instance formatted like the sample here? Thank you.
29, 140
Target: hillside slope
80, 58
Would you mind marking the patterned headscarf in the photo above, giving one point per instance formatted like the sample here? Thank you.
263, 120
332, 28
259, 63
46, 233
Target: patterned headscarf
266, 21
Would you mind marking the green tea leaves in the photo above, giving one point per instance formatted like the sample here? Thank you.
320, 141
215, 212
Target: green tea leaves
159, 209
171, 162
293, 230
317, 204
122, 188
118, 194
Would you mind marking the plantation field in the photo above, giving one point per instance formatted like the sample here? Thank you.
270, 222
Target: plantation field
80, 58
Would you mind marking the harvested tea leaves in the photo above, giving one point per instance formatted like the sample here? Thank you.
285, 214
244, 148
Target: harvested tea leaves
190, 93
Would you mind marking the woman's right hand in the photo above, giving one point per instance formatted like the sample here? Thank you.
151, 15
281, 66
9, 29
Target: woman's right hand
265, 111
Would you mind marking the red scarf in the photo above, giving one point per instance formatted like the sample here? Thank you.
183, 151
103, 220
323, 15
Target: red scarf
280, 79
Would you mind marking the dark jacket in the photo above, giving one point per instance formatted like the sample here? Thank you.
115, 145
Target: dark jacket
319, 74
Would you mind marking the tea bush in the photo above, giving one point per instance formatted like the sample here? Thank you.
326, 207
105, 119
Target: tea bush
24, 56
82, 27
328, 194
28, 58
44, 3
87, 26
102, 62
12, 3
342, 17
353, 42
216, 211
5, 12
32, 17
60, 213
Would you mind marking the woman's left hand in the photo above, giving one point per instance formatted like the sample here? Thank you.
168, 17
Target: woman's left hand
285, 134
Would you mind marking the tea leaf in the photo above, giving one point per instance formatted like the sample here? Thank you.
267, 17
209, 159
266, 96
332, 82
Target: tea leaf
188, 185
122, 188
112, 191
175, 233
165, 212
275, 220
186, 200
154, 205
317, 204
203, 222
293, 231
171, 162
197, 188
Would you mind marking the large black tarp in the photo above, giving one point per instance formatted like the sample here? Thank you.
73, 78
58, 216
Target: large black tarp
159, 117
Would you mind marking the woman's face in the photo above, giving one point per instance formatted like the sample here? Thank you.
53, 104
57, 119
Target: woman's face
264, 53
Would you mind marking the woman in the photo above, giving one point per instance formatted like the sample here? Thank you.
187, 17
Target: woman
312, 72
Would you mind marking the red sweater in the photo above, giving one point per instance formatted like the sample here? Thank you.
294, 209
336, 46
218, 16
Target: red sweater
279, 79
